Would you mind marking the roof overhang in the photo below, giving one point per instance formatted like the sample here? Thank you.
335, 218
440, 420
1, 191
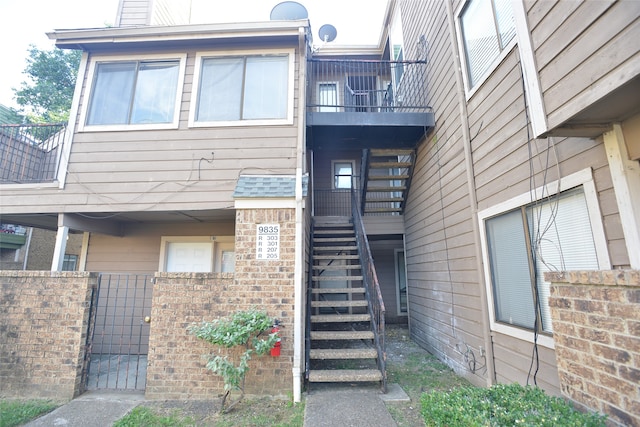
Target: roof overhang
104, 38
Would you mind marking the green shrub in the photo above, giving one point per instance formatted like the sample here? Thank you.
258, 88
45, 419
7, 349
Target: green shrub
245, 329
502, 405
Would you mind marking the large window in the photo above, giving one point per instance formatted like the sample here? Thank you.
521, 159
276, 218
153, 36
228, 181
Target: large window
487, 28
250, 88
134, 93
554, 234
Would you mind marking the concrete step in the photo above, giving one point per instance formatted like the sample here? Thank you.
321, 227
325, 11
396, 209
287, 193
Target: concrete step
338, 318
343, 353
388, 165
344, 375
388, 189
381, 210
324, 231
387, 152
387, 177
356, 303
333, 239
341, 335
335, 248
337, 267
323, 257
358, 290
385, 200
335, 278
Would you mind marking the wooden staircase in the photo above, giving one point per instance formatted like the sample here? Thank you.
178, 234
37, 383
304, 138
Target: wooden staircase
342, 345
386, 181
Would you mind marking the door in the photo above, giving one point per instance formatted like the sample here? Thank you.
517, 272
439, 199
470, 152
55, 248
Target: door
192, 257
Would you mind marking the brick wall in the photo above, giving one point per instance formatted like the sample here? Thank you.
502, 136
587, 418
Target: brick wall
176, 366
596, 322
43, 331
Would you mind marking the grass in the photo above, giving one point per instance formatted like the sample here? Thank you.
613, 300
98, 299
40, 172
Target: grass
17, 412
142, 416
502, 405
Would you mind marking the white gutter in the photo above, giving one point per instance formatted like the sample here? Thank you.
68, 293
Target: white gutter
298, 321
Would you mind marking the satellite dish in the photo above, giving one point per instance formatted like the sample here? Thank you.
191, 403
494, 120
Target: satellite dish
327, 33
288, 11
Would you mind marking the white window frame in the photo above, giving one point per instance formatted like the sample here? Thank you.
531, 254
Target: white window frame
469, 91
88, 92
582, 178
193, 106
328, 109
218, 244
333, 173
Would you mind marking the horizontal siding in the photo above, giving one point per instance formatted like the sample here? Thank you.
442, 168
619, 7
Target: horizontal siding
584, 50
139, 251
444, 294
383, 253
181, 169
514, 357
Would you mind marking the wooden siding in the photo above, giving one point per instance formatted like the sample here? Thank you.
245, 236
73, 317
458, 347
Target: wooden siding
444, 292
384, 255
583, 50
139, 251
132, 13
161, 170
445, 283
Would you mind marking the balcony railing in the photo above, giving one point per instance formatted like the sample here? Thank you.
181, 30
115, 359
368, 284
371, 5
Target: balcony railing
30, 153
366, 86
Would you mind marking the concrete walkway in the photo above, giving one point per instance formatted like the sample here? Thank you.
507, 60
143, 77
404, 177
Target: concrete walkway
327, 405
92, 409
333, 405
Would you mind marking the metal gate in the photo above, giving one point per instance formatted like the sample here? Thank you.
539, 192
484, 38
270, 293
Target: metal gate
119, 332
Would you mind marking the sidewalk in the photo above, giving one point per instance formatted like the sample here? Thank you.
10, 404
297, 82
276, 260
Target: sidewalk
329, 405
92, 409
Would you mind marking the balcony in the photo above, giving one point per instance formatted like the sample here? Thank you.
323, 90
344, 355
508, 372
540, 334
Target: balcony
30, 153
367, 103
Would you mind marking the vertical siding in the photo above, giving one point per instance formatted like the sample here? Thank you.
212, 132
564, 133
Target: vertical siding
384, 256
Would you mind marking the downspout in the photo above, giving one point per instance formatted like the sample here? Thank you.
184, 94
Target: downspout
473, 199
298, 321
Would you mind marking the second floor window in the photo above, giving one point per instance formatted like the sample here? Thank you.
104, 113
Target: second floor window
134, 92
342, 174
487, 29
243, 88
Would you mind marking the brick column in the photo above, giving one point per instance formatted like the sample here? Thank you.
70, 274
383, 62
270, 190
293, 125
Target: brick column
43, 332
596, 323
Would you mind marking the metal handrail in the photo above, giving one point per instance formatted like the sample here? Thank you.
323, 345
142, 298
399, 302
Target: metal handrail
372, 86
307, 333
372, 288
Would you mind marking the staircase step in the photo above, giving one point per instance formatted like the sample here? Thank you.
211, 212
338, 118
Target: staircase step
387, 177
337, 290
334, 231
333, 239
387, 152
385, 200
343, 303
387, 165
341, 335
339, 318
337, 267
335, 278
343, 353
382, 210
317, 257
344, 375
371, 189
335, 248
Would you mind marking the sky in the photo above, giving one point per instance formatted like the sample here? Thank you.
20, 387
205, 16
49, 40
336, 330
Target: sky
26, 22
